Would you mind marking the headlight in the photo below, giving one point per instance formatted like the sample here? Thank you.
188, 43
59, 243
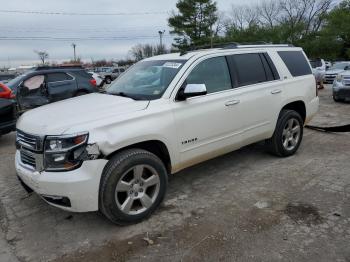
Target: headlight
63, 153
339, 78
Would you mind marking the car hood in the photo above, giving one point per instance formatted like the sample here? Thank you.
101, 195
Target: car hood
334, 72
56, 118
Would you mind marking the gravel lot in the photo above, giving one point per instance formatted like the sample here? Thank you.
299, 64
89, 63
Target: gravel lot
244, 206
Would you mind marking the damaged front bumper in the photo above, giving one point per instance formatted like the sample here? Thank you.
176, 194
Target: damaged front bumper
76, 190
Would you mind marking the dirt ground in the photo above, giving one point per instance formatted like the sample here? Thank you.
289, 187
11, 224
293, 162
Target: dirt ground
244, 206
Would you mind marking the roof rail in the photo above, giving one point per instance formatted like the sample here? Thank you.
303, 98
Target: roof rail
39, 68
234, 45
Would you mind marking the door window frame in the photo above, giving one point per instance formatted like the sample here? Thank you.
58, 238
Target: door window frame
192, 67
47, 82
262, 55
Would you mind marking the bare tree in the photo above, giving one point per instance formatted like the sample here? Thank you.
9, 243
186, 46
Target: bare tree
242, 16
141, 51
269, 12
43, 55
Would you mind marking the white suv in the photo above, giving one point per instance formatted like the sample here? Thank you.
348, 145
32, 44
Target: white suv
113, 152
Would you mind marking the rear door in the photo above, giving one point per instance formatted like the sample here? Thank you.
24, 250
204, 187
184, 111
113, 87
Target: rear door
260, 93
60, 86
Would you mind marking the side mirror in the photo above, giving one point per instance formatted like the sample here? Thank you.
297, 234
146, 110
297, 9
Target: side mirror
192, 90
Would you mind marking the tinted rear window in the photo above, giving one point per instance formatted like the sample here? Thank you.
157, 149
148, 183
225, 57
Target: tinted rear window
295, 62
249, 68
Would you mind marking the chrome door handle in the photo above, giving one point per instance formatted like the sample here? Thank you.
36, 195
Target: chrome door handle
277, 91
232, 103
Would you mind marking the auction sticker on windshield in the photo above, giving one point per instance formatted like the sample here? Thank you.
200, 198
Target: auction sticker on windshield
172, 65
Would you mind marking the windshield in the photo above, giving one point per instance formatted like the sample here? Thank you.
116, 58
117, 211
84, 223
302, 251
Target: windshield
339, 66
13, 84
315, 63
146, 80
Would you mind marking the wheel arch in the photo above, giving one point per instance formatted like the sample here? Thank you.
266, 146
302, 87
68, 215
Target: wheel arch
156, 147
298, 106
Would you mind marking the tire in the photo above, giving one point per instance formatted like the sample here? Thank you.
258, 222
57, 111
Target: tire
108, 80
336, 99
288, 134
132, 186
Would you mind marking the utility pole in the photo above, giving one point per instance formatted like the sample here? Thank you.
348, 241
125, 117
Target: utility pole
161, 33
75, 56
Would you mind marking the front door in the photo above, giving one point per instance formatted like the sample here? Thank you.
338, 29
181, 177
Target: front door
32, 93
208, 125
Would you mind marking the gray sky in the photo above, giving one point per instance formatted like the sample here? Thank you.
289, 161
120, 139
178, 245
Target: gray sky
127, 30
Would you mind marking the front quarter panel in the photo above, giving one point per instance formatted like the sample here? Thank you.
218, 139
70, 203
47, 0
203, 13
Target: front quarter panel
154, 123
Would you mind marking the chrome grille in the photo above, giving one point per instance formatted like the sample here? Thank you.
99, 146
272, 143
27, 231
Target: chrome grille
28, 141
346, 81
329, 78
28, 158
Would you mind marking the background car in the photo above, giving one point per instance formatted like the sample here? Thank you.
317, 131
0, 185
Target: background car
6, 92
332, 73
4, 77
45, 85
8, 116
341, 87
109, 73
98, 78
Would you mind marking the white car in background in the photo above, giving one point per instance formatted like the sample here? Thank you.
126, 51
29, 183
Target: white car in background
336, 69
98, 78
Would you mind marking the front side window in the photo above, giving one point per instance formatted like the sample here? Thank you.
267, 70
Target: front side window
34, 82
146, 80
214, 73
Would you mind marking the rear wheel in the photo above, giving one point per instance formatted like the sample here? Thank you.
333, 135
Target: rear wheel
288, 134
108, 80
133, 185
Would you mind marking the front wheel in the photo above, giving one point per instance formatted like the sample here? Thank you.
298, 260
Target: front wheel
288, 134
132, 186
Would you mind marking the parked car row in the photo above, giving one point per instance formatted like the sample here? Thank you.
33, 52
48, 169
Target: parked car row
109, 74
337, 74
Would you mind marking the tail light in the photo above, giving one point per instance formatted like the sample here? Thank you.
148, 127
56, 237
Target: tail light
93, 82
12, 95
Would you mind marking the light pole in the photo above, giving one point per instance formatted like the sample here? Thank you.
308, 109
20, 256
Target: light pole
75, 56
161, 33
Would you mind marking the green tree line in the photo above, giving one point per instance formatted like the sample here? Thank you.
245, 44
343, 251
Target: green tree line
321, 27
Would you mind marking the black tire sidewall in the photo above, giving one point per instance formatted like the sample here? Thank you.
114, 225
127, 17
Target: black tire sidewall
111, 177
285, 116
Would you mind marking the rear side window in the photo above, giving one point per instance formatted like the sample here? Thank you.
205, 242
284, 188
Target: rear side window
249, 69
56, 77
214, 73
81, 73
296, 63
